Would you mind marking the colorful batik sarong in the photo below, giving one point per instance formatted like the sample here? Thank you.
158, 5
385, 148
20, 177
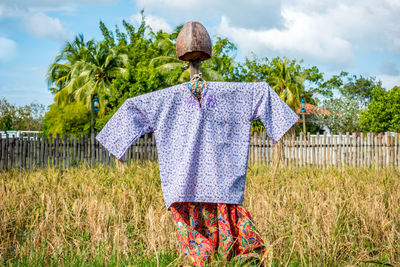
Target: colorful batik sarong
206, 228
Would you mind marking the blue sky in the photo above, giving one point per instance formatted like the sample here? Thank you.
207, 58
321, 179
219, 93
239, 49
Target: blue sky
357, 36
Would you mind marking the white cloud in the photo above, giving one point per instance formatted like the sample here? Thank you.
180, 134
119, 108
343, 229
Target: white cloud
330, 32
323, 32
170, 4
365, 23
156, 23
52, 3
389, 81
255, 14
36, 22
8, 49
299, 39
43, 26
32, 15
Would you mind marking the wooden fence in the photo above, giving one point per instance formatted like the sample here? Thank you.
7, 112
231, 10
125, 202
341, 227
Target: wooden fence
349, 149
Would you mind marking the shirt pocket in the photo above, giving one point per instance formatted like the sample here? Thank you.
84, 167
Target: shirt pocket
224, 124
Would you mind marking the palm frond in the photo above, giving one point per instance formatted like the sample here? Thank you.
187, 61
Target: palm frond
168, 67
185, 76
211, 75
161, 60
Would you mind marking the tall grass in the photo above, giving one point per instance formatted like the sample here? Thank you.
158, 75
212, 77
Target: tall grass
102, 216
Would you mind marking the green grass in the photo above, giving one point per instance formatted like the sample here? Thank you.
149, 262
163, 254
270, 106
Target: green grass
70, 258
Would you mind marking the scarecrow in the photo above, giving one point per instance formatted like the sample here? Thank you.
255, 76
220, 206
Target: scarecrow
202, 131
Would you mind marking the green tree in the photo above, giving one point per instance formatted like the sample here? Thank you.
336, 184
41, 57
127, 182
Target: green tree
28, 117
221, 65
166, 62
141, 77
60, 71
360, 88
7, 115
287, 80
351, 86
382, 112
253, 69
344, 115
85, 68
287, 77
325, 88
72, 118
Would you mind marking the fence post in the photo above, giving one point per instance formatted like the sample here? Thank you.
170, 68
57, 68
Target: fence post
17, 152
1, 152
153, 147
362, 150
388, 149
355, 149
396, 152
51, 150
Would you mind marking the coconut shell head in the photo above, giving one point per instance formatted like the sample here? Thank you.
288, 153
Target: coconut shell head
193, 42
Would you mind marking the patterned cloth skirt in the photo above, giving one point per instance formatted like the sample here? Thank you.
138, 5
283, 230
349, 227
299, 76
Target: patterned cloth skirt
206, 228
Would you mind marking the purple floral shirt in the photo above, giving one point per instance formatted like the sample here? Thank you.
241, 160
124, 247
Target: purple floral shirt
202, 152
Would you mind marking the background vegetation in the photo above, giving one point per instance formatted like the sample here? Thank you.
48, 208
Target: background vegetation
305, 215
133, 61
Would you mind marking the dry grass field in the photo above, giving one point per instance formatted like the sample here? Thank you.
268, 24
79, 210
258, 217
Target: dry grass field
105, 217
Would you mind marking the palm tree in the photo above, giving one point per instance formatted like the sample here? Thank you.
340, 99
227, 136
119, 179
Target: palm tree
86, 68
59, 72
288, 82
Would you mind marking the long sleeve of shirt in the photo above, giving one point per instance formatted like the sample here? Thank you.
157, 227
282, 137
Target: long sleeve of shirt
274, 113
127, 124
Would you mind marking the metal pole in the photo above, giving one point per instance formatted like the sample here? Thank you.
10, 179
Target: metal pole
91, 129
303, 111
